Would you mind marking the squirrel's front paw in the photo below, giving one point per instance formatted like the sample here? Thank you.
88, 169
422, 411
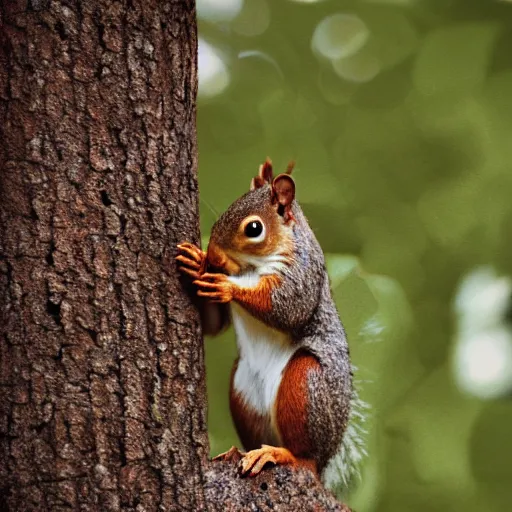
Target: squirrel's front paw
215, 287
192, 260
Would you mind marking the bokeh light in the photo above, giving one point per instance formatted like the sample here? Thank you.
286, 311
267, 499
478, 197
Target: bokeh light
218, 10
253, 19
484, 363
213, 72
483, 347
339, 35
361, 67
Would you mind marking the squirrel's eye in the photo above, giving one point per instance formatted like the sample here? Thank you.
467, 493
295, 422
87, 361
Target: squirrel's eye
253, 229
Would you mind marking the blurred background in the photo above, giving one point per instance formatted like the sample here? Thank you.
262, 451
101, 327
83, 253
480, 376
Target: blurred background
399, 116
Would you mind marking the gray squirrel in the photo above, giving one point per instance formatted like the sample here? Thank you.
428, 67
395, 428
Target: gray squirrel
291, 392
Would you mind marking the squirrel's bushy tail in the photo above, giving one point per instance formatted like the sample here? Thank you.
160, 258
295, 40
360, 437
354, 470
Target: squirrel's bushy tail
345, 465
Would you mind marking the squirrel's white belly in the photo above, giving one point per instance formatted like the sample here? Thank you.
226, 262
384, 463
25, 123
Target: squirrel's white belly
264, 353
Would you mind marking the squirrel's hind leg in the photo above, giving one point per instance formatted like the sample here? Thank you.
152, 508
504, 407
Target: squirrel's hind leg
292, 408
291, 419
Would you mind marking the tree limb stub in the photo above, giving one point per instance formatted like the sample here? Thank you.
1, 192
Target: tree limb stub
276, 489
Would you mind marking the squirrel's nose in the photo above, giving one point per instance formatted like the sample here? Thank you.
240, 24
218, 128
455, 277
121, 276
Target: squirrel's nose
217, 259
215, 256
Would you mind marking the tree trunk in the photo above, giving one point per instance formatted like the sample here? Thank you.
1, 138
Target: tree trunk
102, 389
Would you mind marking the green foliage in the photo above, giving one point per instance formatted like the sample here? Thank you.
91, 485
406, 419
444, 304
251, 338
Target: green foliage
403, 168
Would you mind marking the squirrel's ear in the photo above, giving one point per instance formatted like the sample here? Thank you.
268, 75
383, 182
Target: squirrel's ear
266, 171
257, 182
283, 193
264, 175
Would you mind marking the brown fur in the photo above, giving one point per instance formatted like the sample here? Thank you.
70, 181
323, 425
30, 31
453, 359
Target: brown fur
292, 405
260, 296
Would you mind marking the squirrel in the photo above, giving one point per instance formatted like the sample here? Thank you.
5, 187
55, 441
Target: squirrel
291, 387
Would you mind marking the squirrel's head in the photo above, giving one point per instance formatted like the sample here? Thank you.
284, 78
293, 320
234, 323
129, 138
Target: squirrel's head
256, 230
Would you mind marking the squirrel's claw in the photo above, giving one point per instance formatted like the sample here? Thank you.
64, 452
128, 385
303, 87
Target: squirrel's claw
215, 287
255, 460
191, 259
251, 468
187, 261
213, 280
192, 252
192, 273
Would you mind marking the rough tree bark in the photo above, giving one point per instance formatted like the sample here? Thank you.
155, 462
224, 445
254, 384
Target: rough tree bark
102, 389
